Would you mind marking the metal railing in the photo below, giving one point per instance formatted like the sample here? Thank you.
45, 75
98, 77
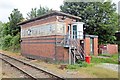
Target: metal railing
73, 42
80, 50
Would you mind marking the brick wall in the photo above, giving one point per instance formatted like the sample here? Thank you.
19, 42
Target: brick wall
87, 45
112, 48
39, 46
108, 48
40, 22
46, 48
67, 21
95, 46
61, 54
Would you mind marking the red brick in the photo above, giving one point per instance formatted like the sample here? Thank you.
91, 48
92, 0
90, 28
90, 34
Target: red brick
87, 46
95, 46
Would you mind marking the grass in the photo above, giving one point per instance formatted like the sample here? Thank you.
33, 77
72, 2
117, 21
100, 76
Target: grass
92, 71
99, 72
79, 65
105, 55
96, 60
111, 59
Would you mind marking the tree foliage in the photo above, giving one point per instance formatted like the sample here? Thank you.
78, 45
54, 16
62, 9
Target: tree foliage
14, 19
100, 18
15, 42
6, 42
37, 12
10, 32
1, 28
6, 29
32, 13
119, 22
1, 34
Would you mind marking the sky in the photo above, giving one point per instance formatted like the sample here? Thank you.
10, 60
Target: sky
24, 6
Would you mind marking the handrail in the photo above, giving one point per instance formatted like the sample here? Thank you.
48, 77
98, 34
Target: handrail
76, 44
72, 41
79, 46
80, 49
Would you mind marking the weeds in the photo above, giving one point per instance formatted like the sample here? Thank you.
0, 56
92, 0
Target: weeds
82, 64
112, 59
78, 65
105, 55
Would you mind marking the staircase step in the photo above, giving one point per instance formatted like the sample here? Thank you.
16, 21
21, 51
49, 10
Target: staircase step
73, 48
78, 57
77, 54
66, 45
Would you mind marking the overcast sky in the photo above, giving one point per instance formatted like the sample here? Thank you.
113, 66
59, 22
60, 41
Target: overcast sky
24, 6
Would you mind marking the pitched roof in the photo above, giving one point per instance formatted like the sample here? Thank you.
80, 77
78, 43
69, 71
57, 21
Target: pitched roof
49, 14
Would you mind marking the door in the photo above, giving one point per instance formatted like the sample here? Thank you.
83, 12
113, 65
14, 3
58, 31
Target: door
91, 45
74, 31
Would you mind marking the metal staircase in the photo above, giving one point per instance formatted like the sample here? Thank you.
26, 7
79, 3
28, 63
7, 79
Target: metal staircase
76, 52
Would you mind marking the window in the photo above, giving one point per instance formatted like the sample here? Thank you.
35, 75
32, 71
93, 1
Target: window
29, 32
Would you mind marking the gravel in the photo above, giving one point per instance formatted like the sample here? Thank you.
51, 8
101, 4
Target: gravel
114, 67
7, 71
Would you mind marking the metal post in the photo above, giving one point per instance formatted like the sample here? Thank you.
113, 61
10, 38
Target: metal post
74, 55
69, 37
69, 55
74, 36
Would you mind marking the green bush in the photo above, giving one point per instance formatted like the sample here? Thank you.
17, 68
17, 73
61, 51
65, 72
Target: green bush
11, 43
15, 44
82, 63
1, 42
6, 42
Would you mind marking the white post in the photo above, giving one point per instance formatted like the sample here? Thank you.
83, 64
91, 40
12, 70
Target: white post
69, 44
72, 40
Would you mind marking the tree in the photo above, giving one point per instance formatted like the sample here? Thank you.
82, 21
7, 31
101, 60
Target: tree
42, 10
119, 22
14, 19
6, 29
32, 13
1, 30
37, 12
100, 18
10, 32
